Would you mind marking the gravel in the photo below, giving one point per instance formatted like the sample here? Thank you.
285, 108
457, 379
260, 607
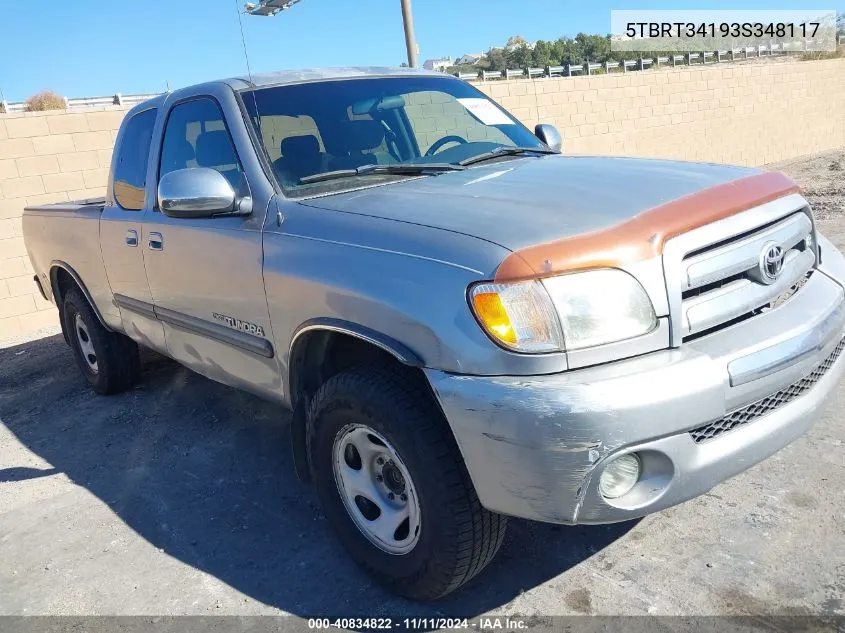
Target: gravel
822, 180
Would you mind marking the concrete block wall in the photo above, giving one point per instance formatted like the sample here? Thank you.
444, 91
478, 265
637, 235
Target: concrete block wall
44, 157
749, 114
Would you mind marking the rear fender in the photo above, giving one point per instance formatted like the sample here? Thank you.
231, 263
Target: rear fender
55, 288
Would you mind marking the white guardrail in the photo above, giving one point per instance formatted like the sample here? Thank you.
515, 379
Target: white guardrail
74, 103
642, 63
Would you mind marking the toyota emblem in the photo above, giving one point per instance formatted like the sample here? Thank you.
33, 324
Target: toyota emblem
771, 263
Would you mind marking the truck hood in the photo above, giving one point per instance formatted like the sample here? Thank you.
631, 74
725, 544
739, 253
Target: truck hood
521, 202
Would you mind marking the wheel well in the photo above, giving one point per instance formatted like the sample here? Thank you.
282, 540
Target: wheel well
321, 354
317, 356
62, 282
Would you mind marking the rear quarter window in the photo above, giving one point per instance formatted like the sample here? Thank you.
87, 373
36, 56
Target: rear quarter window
130, 170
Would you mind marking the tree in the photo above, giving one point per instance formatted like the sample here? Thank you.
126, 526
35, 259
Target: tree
573, 52
542, 54
596, 47
557, 52
520, 57
496, 59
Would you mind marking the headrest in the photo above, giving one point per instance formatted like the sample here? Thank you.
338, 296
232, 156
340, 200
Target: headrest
214, 148
362, 135
178, 155
300, 146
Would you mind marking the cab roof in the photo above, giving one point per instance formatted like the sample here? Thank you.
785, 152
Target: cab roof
286, 77
281, 77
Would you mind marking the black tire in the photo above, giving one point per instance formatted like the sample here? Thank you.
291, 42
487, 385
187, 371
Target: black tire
458, 537
117, 357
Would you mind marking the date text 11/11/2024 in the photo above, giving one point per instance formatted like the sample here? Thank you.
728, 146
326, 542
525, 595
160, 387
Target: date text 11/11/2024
488, 623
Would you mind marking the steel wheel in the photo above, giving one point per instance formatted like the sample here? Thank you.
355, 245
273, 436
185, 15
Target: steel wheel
86, 346
376, 489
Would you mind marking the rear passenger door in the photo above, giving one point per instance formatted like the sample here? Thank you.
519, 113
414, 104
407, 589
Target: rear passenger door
121, 230
206, 274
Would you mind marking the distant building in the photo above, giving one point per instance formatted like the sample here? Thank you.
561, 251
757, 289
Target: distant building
471, 58
438, 64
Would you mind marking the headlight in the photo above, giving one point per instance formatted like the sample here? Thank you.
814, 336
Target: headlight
519, 316
567, 312
600, 306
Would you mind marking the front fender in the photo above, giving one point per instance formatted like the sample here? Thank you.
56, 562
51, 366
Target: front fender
401, 285
396, 349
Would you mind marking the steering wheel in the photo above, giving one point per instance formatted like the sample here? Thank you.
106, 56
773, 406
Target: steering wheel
452, 138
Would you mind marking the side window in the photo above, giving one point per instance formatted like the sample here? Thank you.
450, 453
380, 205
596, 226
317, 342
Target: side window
196, 136
130, 172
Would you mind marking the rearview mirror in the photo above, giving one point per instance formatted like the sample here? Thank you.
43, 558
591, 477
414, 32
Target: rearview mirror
196, 192
378, 104
549, 135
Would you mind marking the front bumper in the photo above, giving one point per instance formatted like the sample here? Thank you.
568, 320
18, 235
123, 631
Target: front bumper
535, 447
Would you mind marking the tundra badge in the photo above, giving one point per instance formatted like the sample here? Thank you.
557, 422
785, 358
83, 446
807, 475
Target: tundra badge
237, 324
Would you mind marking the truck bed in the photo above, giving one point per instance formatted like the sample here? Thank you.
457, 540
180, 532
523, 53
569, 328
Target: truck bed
67, 235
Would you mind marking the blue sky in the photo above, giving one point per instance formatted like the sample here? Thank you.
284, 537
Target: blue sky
95, 47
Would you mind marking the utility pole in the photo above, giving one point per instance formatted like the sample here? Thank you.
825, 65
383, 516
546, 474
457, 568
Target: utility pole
410, 39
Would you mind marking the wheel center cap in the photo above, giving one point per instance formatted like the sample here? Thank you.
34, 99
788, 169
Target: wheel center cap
393, 478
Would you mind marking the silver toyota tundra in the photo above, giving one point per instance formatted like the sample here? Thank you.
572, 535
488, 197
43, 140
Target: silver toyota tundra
466, 324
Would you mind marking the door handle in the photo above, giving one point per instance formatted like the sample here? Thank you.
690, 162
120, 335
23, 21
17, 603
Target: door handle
156, 242
132, 238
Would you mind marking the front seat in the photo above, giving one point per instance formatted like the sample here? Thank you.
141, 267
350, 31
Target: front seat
179, 154
358, 140
301, 156
215, 150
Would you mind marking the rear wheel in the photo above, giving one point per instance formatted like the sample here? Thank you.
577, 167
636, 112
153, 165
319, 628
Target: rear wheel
109, 361
394, 486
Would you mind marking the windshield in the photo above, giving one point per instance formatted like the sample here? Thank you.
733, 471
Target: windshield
329, 126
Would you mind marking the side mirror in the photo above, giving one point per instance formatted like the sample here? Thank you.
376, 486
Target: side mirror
549, 135
198, 192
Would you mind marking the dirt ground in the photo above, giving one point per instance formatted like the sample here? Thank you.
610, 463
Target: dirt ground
179, 498
822, 179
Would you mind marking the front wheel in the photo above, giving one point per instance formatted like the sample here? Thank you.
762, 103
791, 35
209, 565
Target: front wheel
394, 486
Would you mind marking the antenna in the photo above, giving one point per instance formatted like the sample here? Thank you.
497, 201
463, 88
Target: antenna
243, 40
248, 69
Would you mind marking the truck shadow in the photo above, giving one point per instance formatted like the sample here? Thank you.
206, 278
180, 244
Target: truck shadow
204, 473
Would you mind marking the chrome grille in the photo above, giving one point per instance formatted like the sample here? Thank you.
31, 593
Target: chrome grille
722, 283
758, 409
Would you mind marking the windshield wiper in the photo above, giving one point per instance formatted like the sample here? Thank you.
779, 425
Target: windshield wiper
400, 169
505, 151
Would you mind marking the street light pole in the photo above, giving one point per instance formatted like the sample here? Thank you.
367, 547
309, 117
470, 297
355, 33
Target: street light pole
272, 7
410, 39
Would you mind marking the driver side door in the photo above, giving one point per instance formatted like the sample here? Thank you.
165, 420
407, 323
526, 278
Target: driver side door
206, 274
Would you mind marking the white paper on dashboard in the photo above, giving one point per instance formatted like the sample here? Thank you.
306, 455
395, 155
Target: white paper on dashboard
485, 112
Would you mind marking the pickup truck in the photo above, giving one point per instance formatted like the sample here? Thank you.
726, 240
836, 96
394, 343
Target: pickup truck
466, 324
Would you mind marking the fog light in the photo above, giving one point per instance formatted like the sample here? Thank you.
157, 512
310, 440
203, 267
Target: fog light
619, 476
